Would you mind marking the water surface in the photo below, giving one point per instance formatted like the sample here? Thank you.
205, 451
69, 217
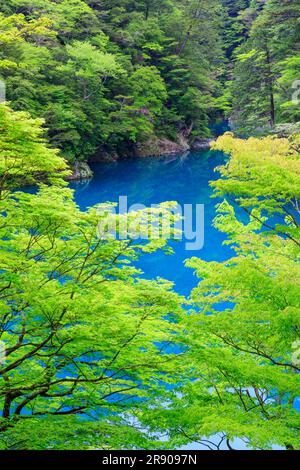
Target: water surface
184, 179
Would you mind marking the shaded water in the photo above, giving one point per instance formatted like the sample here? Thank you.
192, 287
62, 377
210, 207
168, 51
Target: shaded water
184, 179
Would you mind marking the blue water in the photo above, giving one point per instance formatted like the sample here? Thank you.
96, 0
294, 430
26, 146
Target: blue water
184, 179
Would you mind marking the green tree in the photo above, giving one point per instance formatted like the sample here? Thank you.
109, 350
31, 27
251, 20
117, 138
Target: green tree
260, 71
243, 337
57, 69
289, 85
24, 153
90, 67
234, 29
135, 114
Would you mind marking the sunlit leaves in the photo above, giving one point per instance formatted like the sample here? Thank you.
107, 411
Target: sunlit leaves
86, 338
241, 341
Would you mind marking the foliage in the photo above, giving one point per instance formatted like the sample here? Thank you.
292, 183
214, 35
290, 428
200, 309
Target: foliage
90, 346
24, 153
84, 68
85, 337
243, 337
266, 67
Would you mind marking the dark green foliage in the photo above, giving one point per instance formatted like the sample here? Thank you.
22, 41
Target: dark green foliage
266, 67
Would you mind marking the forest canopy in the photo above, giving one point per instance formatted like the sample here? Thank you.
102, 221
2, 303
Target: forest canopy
108, 75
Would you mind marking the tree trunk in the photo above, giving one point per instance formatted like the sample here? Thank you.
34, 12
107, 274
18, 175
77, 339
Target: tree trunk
182, 46
271, 88
147, 11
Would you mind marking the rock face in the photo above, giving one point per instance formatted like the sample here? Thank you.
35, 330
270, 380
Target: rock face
202, 143
81, 171
162, 146
286, 130
153, 147
103, 156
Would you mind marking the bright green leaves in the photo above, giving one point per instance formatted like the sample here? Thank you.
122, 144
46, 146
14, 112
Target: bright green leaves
24, 154
86, 339
85, 69
262, 173
90, 67
88, 62
87, 335
148, 90
16, 28
241, 342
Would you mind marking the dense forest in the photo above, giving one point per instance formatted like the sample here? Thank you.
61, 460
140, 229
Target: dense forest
94, 355
116, 76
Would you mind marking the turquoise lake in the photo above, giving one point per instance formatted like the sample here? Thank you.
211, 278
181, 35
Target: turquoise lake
184, 179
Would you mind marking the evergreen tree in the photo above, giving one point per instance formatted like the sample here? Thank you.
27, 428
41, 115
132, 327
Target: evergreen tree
262, 86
